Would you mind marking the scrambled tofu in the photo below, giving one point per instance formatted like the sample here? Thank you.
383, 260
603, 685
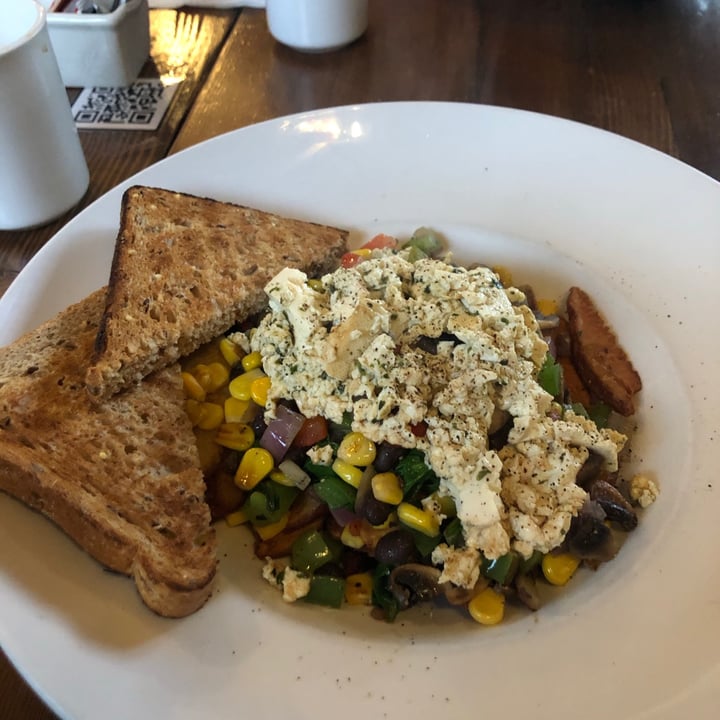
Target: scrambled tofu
294, 585
644, 490
396, 344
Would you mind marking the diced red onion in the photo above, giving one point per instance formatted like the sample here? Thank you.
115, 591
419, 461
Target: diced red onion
295, 473
281, 431
364, 487
343, 516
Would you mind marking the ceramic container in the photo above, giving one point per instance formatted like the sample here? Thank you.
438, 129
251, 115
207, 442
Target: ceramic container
43, 171
101, 49
317, 25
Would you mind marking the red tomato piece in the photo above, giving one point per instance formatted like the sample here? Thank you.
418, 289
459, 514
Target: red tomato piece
350, 259
313, 430
380, 241
419, 429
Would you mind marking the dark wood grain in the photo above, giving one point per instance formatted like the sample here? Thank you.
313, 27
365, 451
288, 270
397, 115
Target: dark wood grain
646, 69
184, 45
638, 68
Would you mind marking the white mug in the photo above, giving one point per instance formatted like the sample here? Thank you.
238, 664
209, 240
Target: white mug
43, 171
317, 25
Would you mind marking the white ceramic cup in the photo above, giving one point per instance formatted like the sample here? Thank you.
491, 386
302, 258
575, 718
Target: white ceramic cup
316, 25
43, 171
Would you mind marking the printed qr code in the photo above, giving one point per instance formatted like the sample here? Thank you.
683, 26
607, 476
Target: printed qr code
140, 106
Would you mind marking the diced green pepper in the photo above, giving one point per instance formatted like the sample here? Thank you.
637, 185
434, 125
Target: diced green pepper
528, 564
336, 492
381, 595
418, 479
326, 590
599, 414
415, 253
319, 471
503, 569
426, 241
313, 550
424, 543
579, 409
453, 533
550, 377
269, 502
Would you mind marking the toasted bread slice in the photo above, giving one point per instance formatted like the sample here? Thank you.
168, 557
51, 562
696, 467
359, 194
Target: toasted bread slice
122, 479
185, 270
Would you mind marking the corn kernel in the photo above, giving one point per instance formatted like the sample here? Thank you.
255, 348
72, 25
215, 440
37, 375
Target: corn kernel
363, 252
201, 373
350, 539
349, 473
558, 569
259, 390
192, 408
255, 464
281, 478
316, 284
504, 274
442, 504
487, 607
211, 416
547, 307
272, 529
239, 387
236, 518
238, 411
211, 377
391, 521
235, 436
193, 389
358, 589
232, 354
386, 488
252, 361
356, 449
418, 519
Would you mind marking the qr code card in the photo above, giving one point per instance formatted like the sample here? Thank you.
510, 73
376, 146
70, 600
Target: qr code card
140, 106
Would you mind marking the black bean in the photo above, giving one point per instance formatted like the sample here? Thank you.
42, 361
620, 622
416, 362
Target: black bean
354, 561
396, 548
258, 425
373, 510
387, 456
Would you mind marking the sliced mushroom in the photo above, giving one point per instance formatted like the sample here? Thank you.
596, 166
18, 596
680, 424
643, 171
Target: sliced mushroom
500, 427
547, 322
614, 503
413, 583
457, 595
591, 471
589, 538
527, 592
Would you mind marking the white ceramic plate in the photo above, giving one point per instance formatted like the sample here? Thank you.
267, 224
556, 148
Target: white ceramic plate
559, 203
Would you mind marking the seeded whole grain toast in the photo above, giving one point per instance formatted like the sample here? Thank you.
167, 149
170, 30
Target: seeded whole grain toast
123, 478
185, 270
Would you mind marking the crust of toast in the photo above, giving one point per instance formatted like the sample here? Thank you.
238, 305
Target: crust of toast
185, 270
122, 479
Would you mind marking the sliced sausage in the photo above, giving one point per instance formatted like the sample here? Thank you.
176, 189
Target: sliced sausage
601, 362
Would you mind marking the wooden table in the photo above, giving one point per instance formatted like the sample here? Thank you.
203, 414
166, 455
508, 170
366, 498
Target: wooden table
646, 69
